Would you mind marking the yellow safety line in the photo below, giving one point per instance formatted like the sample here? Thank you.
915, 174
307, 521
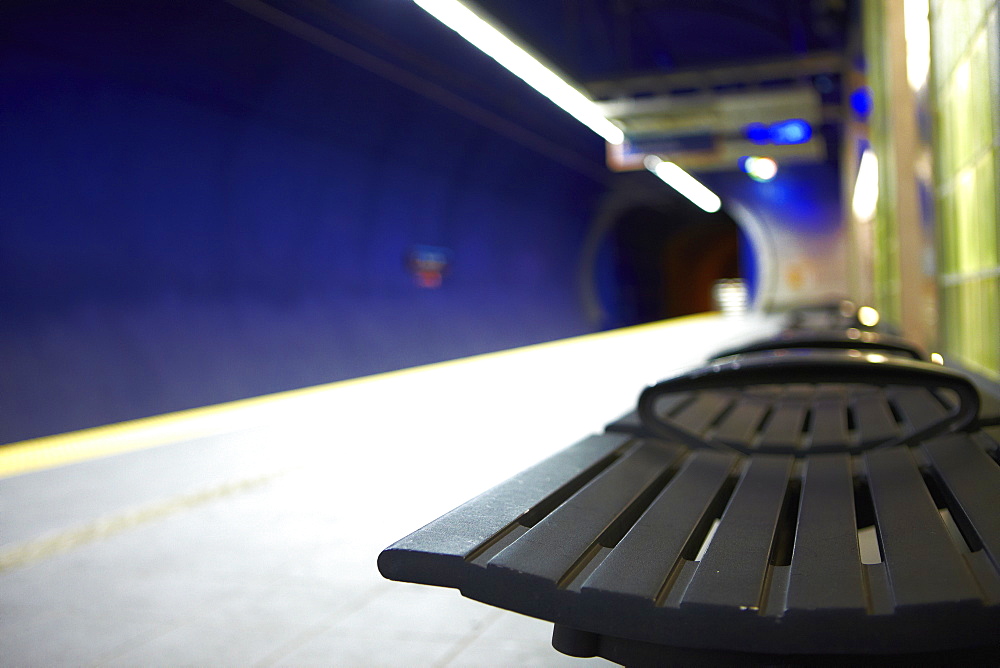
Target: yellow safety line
77, 446
26, 553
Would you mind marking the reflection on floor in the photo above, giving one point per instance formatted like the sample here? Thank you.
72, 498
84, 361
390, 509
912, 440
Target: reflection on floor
207, 544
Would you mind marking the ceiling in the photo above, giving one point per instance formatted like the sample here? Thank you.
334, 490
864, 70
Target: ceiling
680, 76
684, 78
595, 40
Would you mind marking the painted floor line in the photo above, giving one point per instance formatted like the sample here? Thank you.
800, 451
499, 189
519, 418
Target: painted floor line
28, 552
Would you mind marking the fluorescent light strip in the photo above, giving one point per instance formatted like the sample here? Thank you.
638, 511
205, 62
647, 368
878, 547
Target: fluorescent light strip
865, 199
684, 183
497, 46
917, 34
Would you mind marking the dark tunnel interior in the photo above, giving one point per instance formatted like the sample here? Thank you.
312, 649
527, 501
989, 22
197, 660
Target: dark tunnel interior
666, 265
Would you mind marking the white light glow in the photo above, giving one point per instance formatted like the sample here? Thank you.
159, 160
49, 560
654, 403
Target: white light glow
917, 32
962, 77
866, 187
868, 316
937, 358
684, 183
500, 48
761, 169
730, 296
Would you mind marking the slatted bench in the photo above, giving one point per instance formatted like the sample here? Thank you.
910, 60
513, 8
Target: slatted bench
795, 417
760, 523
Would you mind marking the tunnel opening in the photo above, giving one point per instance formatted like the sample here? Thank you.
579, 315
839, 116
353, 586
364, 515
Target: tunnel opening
664, 262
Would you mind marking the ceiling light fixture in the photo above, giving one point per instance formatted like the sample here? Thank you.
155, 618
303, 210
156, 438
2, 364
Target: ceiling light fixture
917, 34
500, 48
865, 199
684, 183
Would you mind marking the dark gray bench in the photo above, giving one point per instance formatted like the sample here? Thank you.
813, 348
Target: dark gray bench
750, 522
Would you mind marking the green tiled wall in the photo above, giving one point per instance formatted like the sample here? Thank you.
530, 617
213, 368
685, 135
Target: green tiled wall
965, 51
886, 289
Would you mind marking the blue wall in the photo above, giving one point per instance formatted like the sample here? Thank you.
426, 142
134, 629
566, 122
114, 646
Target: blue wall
197, 207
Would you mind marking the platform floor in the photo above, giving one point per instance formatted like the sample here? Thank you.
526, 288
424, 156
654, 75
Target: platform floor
246, 534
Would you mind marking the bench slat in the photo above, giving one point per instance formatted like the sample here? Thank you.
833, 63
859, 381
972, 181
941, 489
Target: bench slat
732, 572
873, 418
630, 423
641, 562
918, 406
554, 546
826, 565
671, 403
783, 429
435, 553
924, 566
740, 426
700, 413
829, 422
972, 478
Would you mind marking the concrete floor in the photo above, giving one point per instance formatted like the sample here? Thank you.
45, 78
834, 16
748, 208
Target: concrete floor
247, 534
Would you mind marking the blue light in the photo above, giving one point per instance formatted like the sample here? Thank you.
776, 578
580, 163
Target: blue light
758, 133
794, 131
861, 102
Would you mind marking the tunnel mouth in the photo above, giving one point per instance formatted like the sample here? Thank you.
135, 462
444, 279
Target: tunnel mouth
663, 262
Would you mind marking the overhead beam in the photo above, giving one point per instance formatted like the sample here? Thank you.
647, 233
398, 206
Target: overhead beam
749, 74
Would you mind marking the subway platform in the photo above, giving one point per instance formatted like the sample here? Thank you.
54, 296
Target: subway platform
247, 533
